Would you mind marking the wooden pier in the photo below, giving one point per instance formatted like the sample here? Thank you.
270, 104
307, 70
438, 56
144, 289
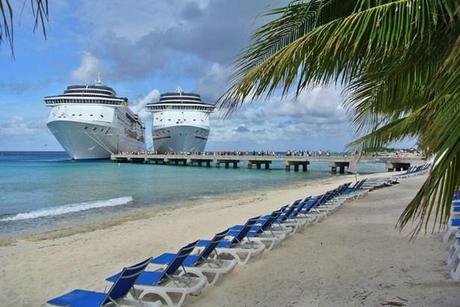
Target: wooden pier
337, 163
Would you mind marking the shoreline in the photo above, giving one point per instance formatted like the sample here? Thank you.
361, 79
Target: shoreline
83, 259
149, 212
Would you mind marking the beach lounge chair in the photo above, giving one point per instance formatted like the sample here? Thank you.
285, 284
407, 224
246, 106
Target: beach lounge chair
317, 208
452, 227
288, 222
120, 292
238, 247
171, 284
276, 227
455, 271
262, 230
356, 191
409, 172
309, 211
454, 251
455, 209
453, 259
203, 264
415, 170
334, 199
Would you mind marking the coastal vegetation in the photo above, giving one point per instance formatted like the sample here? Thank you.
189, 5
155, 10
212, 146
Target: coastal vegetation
398, 64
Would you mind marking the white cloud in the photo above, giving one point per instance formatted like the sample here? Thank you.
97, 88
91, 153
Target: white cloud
139, 106
88, 70
136, 20
314, 114
213, 84
164, 37
17, 126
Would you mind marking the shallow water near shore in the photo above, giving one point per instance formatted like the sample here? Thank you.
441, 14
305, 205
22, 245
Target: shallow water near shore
43, 191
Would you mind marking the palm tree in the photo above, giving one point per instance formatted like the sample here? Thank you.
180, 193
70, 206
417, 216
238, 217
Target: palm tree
39, 9
398, 62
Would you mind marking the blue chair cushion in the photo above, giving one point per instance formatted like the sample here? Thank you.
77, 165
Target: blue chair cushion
255, 226
348, 191
222, 244
79, 298
455, 222
166, 258
147, 278
250, 234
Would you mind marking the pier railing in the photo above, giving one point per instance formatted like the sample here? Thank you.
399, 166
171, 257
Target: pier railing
340, 163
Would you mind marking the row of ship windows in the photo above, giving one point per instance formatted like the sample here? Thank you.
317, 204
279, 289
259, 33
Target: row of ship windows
89, 115
93, 101
91, 91
169, 119
179, 108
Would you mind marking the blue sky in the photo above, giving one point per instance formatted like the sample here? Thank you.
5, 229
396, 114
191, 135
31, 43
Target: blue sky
144, 47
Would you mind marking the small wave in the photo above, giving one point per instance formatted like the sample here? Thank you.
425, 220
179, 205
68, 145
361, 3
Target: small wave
71, 208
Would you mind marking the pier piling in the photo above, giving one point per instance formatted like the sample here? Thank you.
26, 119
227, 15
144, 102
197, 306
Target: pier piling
340, 165
397, 166
297, 164
337, 163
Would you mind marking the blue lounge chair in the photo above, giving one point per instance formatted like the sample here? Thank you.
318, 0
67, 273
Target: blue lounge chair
264, 223
120, 292
238, 247
455, 210
453, 259
317, 206
454, 251
452, 227
262, 231
354, 192
335, 198
292, 218
355, 187
303, 214
169, 280
283, 223
310, 209
204, 264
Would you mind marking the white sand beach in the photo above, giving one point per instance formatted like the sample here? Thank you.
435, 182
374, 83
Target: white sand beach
355, 257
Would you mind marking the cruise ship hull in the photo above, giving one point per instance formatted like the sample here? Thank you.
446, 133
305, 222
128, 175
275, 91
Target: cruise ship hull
180, 138
89, 140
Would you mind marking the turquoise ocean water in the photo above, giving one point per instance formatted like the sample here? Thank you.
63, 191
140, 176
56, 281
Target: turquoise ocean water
42, 191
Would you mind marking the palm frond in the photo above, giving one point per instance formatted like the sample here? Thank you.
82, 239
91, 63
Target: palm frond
399, 62
393, 131
40, 11
339, 49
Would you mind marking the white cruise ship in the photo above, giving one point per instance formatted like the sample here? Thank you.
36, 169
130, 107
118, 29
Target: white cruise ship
91, 122
180, 122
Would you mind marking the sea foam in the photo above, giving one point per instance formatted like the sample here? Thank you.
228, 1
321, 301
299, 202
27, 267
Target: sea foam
70, 208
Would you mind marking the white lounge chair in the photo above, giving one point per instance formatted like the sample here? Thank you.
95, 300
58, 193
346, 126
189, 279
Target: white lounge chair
239, 247
170, 282
203, 264
452, 227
